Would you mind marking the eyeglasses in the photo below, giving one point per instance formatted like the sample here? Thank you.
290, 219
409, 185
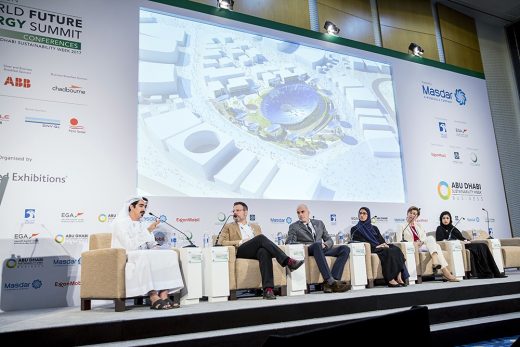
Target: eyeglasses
363, 213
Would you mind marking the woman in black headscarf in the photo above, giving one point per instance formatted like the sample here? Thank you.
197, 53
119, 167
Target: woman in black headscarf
391, 257
482, 263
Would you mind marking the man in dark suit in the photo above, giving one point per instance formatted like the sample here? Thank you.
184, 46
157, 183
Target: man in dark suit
250, 243
313, 233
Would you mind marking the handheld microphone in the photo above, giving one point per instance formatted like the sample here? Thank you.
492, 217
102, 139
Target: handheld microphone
487, 217
182, 232
453, 227
223, 225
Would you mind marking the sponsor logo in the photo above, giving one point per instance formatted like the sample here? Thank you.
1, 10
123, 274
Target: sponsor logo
72, 89
72, 217
460, 190
333, 218
4, 118
380, 219
36, 284
160, 237
443, 130
66, 261
438, 155
71, 238
106, 217
37, 178
444, 190
75, 127
287, 220
187, 219
460, 97
45, 122
456, 155
252, 217
461, 132
473, 157
221, 216
29, 215
149, 218
67, 284
23, 263
25, 239
17, 82
442, 95
473, 219
399, 220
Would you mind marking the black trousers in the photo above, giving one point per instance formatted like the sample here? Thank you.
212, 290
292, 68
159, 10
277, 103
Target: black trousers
263, 250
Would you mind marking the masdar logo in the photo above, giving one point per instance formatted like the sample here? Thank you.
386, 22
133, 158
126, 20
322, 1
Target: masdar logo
460, 97
444, 190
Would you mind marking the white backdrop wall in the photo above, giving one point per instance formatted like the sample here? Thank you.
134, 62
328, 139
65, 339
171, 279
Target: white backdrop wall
68, 146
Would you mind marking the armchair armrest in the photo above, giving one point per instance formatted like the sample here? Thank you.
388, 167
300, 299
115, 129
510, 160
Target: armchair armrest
103, 273
510, 241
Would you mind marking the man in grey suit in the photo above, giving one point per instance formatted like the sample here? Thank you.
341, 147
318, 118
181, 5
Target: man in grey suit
313, 233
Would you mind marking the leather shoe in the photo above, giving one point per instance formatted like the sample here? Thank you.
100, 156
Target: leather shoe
293, 264
336, 287
394, 285
269, 295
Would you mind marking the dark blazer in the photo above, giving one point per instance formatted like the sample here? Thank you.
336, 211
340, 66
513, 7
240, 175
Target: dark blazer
298, 233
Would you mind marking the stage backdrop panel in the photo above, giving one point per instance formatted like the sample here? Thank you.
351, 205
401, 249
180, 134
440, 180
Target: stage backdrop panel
103, 100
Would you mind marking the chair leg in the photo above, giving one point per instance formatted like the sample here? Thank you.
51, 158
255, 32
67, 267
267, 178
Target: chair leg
120, 305
85, 304
370, 283
138, 301
283, 291
232, 295
419, 280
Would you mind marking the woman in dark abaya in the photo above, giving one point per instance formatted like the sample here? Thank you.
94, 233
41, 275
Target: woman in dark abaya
482, 263
391, 257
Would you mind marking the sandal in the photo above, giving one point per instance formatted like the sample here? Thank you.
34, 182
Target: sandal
172, 303
160, 304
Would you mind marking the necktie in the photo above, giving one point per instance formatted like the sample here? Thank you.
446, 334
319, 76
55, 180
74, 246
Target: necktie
310, 231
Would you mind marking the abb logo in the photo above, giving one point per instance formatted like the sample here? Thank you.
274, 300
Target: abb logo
18, 82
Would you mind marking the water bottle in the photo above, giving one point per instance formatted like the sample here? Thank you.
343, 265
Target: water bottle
279, 238
474, 234
341, 237
205, 240
173, 240
387, 237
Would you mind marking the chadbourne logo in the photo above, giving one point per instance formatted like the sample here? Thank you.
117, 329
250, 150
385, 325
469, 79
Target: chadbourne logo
72, 89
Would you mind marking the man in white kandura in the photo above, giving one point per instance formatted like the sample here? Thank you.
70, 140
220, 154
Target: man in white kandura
153, 273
